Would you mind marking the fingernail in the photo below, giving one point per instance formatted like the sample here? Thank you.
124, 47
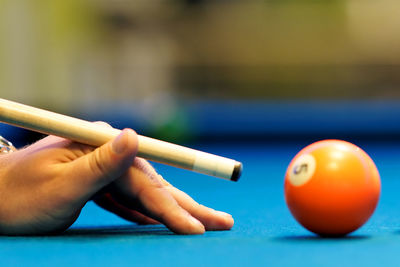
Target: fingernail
221, 213
119, 143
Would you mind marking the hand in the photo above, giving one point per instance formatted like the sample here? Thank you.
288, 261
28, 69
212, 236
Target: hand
44, 186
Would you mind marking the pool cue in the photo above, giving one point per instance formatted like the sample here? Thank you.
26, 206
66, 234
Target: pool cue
89, 133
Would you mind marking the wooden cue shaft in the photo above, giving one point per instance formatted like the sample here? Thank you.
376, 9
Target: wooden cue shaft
86, 132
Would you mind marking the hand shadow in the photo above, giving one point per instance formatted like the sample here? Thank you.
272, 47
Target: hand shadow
116, 230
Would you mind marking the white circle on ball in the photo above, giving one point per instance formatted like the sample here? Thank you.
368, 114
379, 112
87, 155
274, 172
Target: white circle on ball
302, 170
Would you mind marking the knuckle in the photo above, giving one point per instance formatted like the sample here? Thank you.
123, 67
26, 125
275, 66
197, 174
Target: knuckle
148, 190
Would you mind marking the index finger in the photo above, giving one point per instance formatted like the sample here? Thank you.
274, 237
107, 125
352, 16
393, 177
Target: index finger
140, 185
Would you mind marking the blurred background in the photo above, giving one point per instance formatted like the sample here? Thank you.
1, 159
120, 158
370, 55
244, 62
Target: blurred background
192, 70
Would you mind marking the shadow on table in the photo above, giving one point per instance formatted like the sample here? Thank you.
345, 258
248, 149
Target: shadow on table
396, 232
116, 230
102, 232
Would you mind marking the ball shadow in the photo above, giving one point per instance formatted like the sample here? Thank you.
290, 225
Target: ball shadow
316, 238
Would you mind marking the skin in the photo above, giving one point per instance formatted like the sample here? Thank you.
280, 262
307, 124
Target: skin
44, 186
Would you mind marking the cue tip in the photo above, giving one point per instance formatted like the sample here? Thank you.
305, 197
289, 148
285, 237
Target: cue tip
237, 171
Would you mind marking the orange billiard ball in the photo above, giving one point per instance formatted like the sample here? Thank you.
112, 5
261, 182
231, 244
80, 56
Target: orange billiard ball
332, 187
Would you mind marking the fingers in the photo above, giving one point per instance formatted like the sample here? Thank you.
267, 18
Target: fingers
160, 200
141, 185
211, 219
91, 172
107, 202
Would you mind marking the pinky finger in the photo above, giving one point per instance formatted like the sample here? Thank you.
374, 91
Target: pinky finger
107, 202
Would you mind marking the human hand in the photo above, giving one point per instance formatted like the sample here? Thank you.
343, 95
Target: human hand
44, 187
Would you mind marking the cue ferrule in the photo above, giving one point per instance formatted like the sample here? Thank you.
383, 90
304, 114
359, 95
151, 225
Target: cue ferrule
93, 134
186, 158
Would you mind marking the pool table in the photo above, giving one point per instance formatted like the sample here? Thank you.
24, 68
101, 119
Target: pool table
264, 233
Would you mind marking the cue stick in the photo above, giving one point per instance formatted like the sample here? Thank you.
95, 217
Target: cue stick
89, 133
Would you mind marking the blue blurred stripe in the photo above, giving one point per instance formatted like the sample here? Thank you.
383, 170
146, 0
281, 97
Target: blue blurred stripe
221, 119
295, 117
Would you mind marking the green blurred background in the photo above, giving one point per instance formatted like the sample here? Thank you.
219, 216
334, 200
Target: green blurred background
157, 65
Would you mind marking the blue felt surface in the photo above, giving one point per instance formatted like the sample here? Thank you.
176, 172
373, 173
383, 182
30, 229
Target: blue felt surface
264, 232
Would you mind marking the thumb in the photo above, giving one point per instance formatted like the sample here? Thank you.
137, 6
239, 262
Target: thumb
90, 173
